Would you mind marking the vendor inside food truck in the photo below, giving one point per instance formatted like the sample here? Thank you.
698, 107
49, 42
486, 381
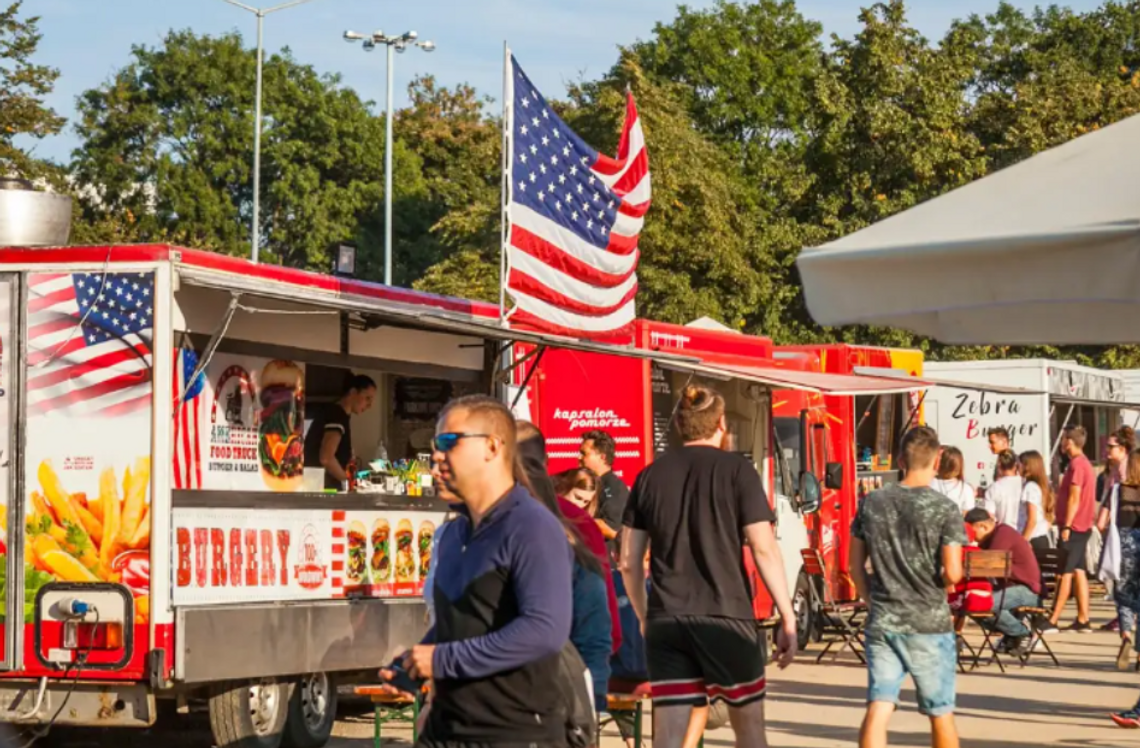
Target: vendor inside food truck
328, 443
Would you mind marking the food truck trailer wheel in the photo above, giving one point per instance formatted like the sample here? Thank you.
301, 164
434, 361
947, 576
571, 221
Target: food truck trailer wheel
312, 712
249, 714
805, 614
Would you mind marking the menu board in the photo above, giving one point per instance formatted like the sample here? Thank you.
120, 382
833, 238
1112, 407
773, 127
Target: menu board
884, 434
388, 554
663, 403
262, 555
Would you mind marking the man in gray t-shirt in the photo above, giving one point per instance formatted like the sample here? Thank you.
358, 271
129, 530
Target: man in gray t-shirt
913, 536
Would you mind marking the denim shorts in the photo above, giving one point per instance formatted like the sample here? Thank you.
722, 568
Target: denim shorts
931, 660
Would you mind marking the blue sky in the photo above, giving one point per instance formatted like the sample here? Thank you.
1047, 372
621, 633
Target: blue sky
556, 41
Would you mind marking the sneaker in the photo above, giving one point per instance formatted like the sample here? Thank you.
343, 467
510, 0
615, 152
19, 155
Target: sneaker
1020, 646
1003, 646
1044, 625
1113, 625
1129, 720
1080, 627
1124, 655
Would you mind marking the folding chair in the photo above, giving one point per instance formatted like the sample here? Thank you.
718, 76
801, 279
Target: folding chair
624, 707
392, 706
1052, 563
995, 566
841, 621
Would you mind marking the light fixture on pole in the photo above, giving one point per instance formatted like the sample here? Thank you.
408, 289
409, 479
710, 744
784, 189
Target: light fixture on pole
255, 228
398, 44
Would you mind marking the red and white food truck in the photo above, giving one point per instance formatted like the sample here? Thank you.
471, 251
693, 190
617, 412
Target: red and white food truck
163, 544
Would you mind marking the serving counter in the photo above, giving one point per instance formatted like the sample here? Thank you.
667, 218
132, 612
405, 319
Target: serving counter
301, 565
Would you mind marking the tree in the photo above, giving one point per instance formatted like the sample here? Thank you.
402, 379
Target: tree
889, 131
170, 139
745, 71
458, 145
23, 86
1044, 80
700, 253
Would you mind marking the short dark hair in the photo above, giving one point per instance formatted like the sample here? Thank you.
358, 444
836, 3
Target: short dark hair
603, 443
360, 383
1078, 434
919, 447
977, 515
496, 417
1001, 431
699, 413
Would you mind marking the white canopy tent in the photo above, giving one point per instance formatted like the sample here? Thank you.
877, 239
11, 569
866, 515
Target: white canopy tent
1045, 251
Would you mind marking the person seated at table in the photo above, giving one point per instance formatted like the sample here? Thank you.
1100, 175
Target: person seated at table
1022, 589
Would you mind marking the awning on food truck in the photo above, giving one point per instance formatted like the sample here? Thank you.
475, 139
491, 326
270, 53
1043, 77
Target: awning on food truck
807, 381
405, 315
997, 389
1045, 251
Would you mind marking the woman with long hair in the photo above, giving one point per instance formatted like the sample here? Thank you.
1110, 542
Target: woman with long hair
951, 480
1035, 518
1124, 512
1120, 514
580, 487
593, 631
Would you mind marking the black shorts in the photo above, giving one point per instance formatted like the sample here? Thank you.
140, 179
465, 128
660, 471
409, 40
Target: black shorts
1077, 545
694, 659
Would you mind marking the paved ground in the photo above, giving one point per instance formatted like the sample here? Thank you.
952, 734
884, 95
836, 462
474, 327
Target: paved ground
820, 706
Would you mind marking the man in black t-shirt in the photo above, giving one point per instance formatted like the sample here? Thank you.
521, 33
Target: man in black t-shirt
329, 441
695, 508
597, 454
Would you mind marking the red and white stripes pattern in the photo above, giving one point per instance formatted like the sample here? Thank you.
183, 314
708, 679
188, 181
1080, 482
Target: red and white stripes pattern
565, 285
338, 553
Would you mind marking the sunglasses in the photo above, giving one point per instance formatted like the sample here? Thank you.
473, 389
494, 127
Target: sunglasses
448, 441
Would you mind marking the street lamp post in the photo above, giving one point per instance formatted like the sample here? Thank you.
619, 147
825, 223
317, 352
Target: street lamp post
261, 13
398, 44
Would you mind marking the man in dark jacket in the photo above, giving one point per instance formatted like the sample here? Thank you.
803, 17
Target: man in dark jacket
502, 591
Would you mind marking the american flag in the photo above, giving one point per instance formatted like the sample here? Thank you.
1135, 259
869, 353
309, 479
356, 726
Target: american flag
89, 343
187, 415
575, 218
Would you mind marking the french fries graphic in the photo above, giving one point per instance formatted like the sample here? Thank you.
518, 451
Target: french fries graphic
76, 538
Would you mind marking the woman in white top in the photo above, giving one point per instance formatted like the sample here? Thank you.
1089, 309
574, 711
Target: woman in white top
950, 481
1003, 498
1037, 501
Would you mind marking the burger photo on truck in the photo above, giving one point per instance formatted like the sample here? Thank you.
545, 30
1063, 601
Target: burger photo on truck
280, 446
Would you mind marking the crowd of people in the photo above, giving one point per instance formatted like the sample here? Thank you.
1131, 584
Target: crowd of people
549, 592
1095, 519
530, 617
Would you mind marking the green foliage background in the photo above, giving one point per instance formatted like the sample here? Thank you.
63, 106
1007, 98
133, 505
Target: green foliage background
764, 138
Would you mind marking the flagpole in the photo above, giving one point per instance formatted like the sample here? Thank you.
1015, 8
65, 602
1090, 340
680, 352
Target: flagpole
507, 126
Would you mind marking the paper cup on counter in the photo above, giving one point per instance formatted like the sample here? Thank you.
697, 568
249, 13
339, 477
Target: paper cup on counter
313, 480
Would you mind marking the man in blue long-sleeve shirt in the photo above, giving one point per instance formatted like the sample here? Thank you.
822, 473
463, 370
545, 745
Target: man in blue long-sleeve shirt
502, 593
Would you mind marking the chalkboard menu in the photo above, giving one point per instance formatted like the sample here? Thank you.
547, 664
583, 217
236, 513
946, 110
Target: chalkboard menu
662, 402
421, 399
884, 436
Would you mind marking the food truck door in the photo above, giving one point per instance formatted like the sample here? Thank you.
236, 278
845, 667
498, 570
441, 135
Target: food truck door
11, 353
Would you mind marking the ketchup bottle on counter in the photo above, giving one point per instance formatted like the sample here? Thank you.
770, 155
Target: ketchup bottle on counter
350, 470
